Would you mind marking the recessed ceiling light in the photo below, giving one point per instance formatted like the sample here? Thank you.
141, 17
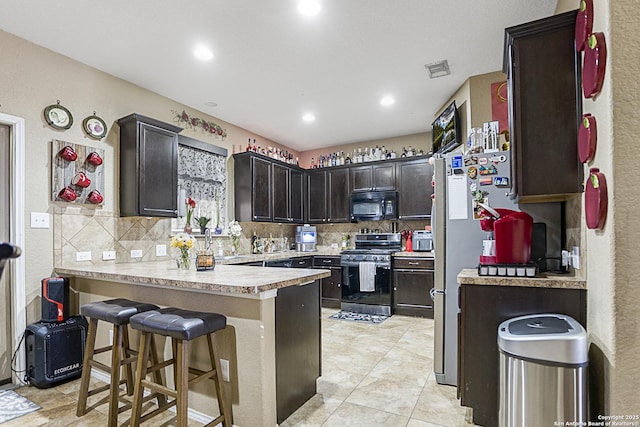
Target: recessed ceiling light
309, 117
210, 104
309, 7
203, 53
387, 100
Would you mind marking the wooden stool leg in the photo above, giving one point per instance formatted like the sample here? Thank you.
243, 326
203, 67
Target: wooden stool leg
223, 403
86, 367
157, 374
126, 355
114, 388
141, 373
182, 382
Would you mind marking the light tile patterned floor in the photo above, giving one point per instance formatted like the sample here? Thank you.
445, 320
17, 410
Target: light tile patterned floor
379, 375
373, 375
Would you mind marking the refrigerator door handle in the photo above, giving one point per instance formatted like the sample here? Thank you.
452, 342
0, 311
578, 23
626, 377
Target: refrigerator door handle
438, 333
434, 291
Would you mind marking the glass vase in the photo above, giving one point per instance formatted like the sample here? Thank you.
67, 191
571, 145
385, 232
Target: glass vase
183, 261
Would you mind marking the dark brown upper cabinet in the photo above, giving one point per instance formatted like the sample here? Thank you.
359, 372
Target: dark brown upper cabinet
545, 106
328, 195
287, 194
373, 177
414, 189
253, 187
148, 167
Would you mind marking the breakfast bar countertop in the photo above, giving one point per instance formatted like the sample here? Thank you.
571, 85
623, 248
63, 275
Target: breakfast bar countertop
544, 280
231, 279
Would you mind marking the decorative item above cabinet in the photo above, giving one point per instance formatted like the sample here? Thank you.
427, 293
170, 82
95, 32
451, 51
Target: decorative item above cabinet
148, 167
545, 108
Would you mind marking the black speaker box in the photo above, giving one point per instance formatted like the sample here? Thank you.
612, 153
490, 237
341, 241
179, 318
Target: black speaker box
55, 299
55, 351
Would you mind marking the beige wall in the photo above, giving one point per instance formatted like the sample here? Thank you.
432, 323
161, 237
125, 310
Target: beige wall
612, 262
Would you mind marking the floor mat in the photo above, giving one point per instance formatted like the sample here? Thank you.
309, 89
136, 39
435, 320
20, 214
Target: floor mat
12, 405
358, 317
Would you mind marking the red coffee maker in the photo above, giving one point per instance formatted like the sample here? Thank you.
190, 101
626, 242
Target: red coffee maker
512, 231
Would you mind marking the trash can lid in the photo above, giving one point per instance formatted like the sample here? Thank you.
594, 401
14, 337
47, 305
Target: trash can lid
545, 338
539, 325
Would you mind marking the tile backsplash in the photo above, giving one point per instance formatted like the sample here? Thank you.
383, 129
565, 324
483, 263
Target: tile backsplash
78, 229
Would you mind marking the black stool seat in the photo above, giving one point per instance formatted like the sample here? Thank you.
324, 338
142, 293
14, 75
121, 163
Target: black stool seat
178, 323
116, 311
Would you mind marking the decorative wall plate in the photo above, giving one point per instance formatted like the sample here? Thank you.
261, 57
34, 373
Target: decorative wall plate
94, 126
57, 116
587, 138
593, 68
596, 200
584, 24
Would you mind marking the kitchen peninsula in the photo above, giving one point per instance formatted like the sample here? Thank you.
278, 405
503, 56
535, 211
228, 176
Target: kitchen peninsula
271, 374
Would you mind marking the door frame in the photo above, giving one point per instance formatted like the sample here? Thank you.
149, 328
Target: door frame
17, 266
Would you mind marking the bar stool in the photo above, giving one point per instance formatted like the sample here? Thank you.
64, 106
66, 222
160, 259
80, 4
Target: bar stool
117, 312
182, 326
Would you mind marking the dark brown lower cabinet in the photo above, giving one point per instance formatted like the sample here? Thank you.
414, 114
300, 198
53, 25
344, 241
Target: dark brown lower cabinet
332, 285
482, 309
298, 350
412, 283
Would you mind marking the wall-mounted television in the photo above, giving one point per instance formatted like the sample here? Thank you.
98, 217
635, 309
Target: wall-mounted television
446, 130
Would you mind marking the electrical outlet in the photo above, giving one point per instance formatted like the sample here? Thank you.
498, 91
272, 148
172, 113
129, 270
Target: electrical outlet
161, 250
136, 253
108, 255
83, 256
224, 366
39, 220
575, 257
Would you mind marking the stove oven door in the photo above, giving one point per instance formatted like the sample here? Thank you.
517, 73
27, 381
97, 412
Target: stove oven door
356, 299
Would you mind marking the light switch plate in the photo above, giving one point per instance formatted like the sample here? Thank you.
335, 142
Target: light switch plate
83, 256
136, 253
39, 220
161, 250
108, 255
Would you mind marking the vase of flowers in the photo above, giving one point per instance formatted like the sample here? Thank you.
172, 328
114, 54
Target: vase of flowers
202, 222
190, 205
184, 242
234, 229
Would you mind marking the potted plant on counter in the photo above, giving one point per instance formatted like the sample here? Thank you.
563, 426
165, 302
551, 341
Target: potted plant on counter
190, 205
202, 222
234, 230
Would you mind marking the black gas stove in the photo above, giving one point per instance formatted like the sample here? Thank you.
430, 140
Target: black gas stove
366, 273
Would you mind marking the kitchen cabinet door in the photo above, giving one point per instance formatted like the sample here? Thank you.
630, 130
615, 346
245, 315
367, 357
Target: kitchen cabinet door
296, 200
373, 177
261, 189
412, 283
545, 108
332, 285
338, 195
252, 187
316, 197
414, 189
281, 193
148, 167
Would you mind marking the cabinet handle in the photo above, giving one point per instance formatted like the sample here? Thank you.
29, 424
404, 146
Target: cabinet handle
414, 263
326, 261
339, 284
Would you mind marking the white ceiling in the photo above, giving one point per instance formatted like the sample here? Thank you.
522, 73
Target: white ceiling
272, 64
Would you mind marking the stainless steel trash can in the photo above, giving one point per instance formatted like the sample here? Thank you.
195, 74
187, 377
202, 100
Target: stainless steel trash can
543, 371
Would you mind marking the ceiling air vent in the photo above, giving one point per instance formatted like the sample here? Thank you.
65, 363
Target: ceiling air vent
438, 69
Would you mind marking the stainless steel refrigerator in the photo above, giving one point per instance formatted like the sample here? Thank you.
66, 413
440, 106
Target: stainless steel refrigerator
460, 182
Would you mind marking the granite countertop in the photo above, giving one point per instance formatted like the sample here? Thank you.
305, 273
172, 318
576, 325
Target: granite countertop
233, 279
414, 254
241, 259
544, 280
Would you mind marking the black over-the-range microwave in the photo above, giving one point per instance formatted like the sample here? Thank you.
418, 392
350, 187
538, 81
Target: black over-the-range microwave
374, 205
